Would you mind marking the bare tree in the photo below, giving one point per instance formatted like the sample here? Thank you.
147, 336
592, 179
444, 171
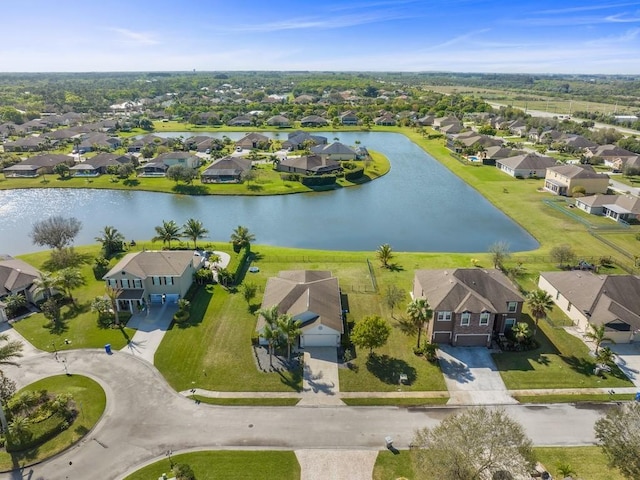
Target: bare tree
55, 232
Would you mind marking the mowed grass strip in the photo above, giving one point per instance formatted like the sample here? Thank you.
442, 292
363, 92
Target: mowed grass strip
90, 401
228, 465
248, 402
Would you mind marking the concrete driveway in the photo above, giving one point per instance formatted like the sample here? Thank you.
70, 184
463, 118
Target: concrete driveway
150, 326
628, 359
320, 381
472, 377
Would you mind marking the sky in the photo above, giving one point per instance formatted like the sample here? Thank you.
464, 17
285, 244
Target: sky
523, 36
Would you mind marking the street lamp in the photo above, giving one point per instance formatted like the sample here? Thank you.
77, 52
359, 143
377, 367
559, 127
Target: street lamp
168, 454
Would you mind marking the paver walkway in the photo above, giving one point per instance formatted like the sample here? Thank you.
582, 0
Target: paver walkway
150, 326
336, 464
472, 377
320, 382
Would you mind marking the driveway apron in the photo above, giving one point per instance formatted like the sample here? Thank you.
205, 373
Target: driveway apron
320, 382
628, 359
471, 377
336, 464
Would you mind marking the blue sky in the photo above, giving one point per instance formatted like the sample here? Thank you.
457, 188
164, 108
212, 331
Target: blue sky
370, 35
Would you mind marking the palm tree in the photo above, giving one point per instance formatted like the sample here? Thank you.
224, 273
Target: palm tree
70, 279
19, 427
194, 230
270, 314
14, 302
112, 294
420, 314
167, 232
521, 331
606, 356
241, 237
289, 329
540, 303
45, 283
597, 335
271, 333
225, 277
9, 350
111, 240
384, 254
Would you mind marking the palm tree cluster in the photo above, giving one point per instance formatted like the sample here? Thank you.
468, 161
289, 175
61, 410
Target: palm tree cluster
67, 280
170, 231
280, 328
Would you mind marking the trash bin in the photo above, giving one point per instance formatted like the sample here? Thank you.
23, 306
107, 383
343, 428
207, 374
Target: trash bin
638, 397
107, 348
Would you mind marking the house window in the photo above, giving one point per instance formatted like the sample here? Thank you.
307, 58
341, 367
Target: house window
557, 294
137, 283
444, 316
112, 282
155, 280
484, 318
569, 307
512, 307
124, 283
168, 280
509, 323
465, 318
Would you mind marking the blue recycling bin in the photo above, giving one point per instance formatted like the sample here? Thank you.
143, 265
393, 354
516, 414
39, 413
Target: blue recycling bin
638, 397
107, 348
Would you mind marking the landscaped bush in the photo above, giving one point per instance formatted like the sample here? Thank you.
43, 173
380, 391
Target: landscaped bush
317, 180
238, 263
354, 174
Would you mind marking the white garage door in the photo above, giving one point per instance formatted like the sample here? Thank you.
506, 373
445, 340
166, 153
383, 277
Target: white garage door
172, 297
155, 298
319, 340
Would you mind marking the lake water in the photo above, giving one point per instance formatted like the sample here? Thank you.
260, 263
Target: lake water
418, 206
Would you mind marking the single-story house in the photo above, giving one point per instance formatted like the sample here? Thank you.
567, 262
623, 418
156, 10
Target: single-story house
178, 158
492, 154
98, 165
526, 165
621, 208
254, 140
589, 298
279, 121
38, 165
313, 121
97, 141
226, 170
309, 165
469, 305
299, 140
313, 298
29, 144
387, 119
349, 118
17, 277
335, 151
138, 144
241, 121
153, 277
153, 169
562, 179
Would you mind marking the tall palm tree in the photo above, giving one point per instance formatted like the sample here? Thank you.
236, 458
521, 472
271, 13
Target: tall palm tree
271, 333
112, 294
521, 331
289, 329
420, 314
45, 284
9, 350
597, 335
384, 254
270, 314
194, 229
540, 303
241, 237
69, 279
111, 240
606, 356
167, 232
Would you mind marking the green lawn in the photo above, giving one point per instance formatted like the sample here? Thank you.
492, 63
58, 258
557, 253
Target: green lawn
588, 462
561, 361
90, 402
228, 465
248, 402
570, 398
394, 402
79, 325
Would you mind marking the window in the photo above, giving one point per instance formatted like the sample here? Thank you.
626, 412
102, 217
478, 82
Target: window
444, 316
168, 280
137, 283
557, 294
124, 283
112, 282
484, 318
569, 307
465, 318
512, 307
155, 280
509, 323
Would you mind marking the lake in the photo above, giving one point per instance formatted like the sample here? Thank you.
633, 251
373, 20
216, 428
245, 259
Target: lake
419, 206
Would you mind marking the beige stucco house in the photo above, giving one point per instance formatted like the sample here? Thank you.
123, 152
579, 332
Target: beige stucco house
562, 179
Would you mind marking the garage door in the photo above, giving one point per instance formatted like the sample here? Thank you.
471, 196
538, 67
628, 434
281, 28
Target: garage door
172, 297
471, 341
155, 298
441, 337
319, 341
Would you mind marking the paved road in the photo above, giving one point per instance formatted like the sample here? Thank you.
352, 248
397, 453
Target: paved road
145, 418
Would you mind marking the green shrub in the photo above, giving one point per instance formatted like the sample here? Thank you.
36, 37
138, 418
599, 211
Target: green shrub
354, 174
317, 180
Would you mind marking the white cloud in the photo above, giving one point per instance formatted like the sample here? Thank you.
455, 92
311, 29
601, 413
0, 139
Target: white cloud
135, 38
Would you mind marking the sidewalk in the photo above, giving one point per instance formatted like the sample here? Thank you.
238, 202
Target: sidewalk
28, 350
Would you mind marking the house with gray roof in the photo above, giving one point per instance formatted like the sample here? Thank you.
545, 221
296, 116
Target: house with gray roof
96, 141
335, 151
279, 121
254, 140
17, 277
187, 159
314, 121
311, 297
37, 165
309, 165
588, 299
241, 121
29, 144
621, 208
154, 277
527, 165
98, 165
226, 170
470, 305
299, 140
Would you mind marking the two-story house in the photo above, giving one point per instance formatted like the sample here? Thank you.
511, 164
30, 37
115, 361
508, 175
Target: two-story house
469, 304
153, 276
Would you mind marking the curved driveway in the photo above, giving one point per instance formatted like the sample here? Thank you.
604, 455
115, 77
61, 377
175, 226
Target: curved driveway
145, 418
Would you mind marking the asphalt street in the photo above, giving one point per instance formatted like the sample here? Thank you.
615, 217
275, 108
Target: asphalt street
144, 418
